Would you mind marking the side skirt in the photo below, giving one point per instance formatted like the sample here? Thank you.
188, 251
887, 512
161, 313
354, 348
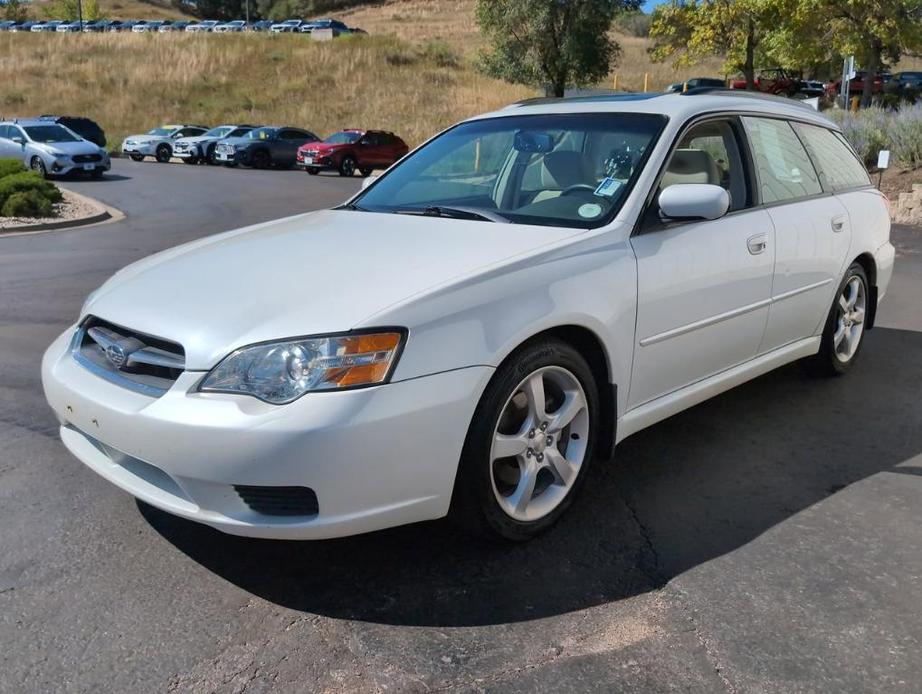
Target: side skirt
665, 406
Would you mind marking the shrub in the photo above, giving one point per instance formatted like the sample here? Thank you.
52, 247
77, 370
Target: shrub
9, 167
27, 203
866, 130
906, 136
634, 23
25, 182
441, 54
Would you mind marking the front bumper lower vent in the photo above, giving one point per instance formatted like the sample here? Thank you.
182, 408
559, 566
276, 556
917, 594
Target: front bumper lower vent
279, 501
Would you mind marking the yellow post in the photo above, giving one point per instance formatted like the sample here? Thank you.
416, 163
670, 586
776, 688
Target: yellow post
646, 79
616, 82
856, 100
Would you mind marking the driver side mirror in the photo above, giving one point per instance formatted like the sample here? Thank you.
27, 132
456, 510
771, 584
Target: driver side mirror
368, 180
18, 139
685, 201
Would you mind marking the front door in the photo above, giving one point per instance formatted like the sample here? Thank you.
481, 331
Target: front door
703, 287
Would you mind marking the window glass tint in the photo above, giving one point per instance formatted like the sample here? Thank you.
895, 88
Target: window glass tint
708, 153
556, 169
4, 131
837, 165
785, 171
50, 133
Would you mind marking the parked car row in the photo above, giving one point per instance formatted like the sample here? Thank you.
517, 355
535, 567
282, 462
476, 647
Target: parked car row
334, 26
262, 147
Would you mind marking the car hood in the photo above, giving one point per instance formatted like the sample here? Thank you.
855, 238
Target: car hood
70, 148
320, 272
324, 147
145, 138
239, 141
196, 138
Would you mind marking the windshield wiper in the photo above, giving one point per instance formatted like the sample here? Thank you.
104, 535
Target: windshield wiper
458, 213
352, 206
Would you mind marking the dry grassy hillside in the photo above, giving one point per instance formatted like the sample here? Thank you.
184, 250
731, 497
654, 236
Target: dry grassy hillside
127, 9
131, 82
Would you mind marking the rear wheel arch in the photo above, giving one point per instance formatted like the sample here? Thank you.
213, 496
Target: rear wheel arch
869, 265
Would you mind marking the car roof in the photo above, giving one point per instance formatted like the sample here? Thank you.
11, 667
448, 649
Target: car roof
679, 106
28, 121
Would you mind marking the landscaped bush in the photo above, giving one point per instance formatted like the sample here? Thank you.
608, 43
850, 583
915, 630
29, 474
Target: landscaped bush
27, 203
10, 166
873, 129
906, 136
35, 189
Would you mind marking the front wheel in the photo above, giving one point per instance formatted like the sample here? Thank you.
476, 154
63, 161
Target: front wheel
163, 154
843, 334
38, 166
190, 160
261, 159
529, 444
136, 157
347, 166
312, 172
211, 156
366, 172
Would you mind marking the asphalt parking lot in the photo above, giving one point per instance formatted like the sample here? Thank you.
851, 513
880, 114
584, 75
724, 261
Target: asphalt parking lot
765, 541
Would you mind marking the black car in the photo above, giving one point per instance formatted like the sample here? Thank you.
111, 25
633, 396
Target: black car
97, 27
124, 25
263, 147
696, 83
904, 83
84, 127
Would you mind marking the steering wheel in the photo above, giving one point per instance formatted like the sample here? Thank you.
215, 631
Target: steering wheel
575, 187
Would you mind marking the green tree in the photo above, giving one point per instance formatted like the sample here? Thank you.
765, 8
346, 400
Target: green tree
737, 29
874, 31
70, 10
15, 11
549, 43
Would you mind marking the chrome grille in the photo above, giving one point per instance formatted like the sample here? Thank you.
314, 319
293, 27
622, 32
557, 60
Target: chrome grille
130, 359
86, 158
227, 149
311, 152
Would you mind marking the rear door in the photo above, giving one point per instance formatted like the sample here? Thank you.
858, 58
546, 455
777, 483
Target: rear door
285, 147
703, 287
812, 231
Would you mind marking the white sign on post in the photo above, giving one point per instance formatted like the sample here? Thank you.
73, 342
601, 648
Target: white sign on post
883, 159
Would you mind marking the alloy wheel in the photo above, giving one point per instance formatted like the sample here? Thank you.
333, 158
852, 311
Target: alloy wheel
850, 317
39, 166
539, 444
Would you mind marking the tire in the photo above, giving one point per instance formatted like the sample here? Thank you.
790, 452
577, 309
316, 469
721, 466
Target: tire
843, 334
38, 166
231, 165
191, 161
260, 159
97, 173
164, 152
210, 156
347, 165
311, 172
519, 496
136, 157
366, 172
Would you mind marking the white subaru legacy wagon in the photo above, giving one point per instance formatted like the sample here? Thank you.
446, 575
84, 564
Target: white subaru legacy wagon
472, 330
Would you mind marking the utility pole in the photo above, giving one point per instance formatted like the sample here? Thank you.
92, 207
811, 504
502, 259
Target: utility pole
247, 13
80, 14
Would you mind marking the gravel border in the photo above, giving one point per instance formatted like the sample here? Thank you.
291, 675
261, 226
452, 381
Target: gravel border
73, 211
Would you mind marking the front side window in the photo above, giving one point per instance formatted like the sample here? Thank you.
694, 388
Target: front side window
220, 131
784, 169
553, 170
838, 166
161, 132
50, 133
708, 153
343, 138
261, 134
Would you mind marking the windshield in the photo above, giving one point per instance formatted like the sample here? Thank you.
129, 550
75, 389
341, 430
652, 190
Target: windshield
161, 132
261, 134
343, 138
220, 131
50, 133
553, 170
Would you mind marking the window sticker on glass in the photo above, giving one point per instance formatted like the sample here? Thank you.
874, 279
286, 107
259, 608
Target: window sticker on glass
608, 187
590, 210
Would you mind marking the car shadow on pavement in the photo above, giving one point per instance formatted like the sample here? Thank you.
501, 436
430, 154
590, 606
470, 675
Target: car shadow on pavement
678, 494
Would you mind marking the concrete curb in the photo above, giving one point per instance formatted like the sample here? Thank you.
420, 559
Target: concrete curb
103, 215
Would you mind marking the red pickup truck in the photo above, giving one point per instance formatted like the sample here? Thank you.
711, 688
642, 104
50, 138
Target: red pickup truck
779, 81
856, 85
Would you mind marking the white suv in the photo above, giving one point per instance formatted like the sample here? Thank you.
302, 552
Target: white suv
472, 330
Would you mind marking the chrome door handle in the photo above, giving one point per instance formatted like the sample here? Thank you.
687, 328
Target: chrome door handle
838, 224
756, 244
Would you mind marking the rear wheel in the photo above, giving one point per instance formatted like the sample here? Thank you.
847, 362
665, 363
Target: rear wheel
347, 166
38, 166
190, 160
210, 156
529, 444
164, 152
136, 157
366, 172
843, 334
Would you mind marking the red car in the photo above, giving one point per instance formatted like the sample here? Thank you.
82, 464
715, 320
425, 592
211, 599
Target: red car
351, 150
856, 85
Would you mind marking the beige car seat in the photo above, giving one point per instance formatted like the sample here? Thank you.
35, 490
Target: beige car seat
691, 166
559, 171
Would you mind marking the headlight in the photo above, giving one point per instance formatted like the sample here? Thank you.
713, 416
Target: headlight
58, 155
280, 372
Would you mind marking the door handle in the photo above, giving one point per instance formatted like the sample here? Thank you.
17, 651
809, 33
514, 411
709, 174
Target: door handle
838, 224
756, 244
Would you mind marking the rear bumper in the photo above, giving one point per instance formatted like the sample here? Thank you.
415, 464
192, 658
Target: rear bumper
883, 259
376, 457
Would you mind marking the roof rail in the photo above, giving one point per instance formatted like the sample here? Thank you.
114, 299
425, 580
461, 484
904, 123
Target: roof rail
744, 93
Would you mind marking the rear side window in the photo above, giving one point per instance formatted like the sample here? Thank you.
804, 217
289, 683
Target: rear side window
785, 171
838, 167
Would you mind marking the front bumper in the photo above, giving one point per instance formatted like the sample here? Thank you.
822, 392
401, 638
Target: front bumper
146, 149
62, 167
322, 163
884, 258
230, 157
191, 153
376, 457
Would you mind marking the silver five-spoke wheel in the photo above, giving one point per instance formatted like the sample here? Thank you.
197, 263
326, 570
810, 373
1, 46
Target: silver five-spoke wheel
850, 319
539, 443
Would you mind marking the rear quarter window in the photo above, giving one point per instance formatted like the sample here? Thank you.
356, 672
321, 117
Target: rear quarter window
838, 166
785, 170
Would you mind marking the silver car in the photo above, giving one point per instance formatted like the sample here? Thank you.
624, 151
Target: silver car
49, 148
158, 143
199, 148
206, 26
237, 25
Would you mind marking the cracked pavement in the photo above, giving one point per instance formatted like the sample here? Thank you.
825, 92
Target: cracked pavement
764, 541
